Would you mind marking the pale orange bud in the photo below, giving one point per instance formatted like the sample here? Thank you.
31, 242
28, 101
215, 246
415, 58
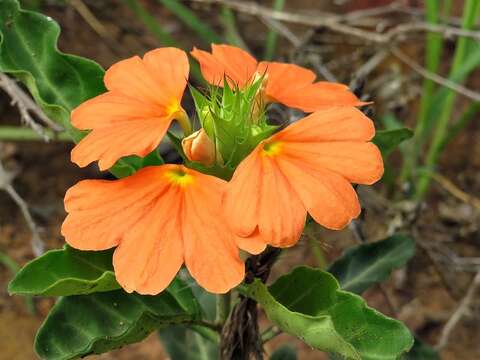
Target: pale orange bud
200, 148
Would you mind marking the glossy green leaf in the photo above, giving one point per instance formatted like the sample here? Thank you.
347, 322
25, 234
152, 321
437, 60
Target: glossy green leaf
192, 342
364, 265
388, 140
207, 300
308, 303
66, 272
183, 343
58, 82
92, 324
285, 352
28, 50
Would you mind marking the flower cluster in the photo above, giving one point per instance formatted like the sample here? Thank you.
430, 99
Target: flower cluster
245, 183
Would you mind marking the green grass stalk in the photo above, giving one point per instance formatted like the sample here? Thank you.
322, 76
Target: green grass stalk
163, 36
230, 25
16, 133
433, 52
467, 116
188, 17
468, 21
272, 36
11, 265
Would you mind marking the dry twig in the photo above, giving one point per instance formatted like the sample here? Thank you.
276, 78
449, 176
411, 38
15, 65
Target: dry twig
25, 106
283, 30
6, 179
455, 191
338, 24
459, 313
96, 25
473, 95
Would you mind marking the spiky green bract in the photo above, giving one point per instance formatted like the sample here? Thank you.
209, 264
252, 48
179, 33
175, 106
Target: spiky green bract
235, 120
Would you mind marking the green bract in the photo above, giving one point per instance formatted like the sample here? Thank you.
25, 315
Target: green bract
235, 120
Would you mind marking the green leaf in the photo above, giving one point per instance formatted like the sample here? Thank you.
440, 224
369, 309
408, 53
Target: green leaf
285, 352
364, 265
308, 303
182, 343
28, 50
93, 324
388, 140
207, 300
58, 82
421, 351
152, 159
66, 272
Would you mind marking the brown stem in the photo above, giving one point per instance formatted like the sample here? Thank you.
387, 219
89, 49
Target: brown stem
240, 338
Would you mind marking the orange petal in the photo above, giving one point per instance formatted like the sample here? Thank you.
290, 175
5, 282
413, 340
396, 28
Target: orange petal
211, 255
292, 85
335, 124
159, 78
254, 244
328, 197
240, 204
358, 162
237, 65
100, 211
151, 252
284, 78
319, 96
111, 108
281, 214
336, 140
108, 144
259, 202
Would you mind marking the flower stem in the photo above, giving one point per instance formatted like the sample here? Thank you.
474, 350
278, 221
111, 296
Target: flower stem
270, 333
184, 122
223, 307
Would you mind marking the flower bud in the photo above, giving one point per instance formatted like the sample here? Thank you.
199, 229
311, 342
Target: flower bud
200, 148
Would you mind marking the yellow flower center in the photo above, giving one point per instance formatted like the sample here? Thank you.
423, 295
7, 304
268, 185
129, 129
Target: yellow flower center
179, 177
272, 148
173, 108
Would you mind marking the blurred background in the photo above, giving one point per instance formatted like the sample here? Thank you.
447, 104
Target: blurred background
418, 61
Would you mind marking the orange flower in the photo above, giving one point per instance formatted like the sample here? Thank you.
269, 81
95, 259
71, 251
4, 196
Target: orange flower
289, 84
133, 116
158, 219
308, 166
